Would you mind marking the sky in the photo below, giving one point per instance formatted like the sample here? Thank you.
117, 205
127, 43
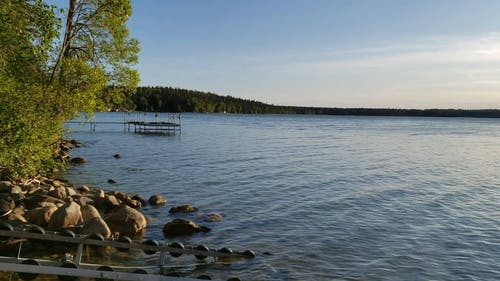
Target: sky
329, 53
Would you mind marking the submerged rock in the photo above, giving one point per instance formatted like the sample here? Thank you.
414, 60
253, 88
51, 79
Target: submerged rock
78, 160
183, 209
181, 227
215, 217
157, 199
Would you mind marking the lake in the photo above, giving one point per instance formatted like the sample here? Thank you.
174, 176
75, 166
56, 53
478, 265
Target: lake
317, 197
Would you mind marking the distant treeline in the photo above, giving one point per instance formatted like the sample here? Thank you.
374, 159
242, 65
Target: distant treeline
169, 99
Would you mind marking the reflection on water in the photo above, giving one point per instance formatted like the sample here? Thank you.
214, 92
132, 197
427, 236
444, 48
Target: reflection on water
318, 197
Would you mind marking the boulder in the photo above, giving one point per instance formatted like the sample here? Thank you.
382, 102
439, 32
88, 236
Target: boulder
37, 200
99, 193
181, 227
122, 196
89, 212
140, 199
96, 225
16, 218
75, 143
78, 160
127, 222
70, 191
8, 187
109, 202
134, 204
6, 204
58, 192
111, 181
84, 189
83, 200
41, 215
117, 156
215, 217
183, 209
66, 216
157, 199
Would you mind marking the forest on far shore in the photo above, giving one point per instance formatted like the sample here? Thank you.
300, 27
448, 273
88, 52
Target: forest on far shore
170, 99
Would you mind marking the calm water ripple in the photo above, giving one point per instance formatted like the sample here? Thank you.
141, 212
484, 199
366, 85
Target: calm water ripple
319, 197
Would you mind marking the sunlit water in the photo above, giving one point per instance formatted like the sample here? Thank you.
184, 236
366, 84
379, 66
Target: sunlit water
317, 197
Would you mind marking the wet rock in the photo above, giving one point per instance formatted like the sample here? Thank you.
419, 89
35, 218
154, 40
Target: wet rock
157, 199
89, 212
215, 217
75, 143
78, 160
122, 196
140, 199
127, 221
96, 225
117, 156
181, 227
183, 209
109, 202
41, 215
134, 204
68, 215
111, 181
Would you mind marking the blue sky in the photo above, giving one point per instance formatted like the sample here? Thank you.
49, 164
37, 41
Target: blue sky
348, 53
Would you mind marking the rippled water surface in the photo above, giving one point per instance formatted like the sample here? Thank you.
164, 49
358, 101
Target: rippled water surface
318, 197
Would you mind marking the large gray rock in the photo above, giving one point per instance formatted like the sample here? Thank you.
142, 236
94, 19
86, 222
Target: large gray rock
41, 215
127, 221
181, 227
96, 225
66, 216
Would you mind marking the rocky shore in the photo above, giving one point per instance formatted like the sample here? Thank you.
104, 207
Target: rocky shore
57, 205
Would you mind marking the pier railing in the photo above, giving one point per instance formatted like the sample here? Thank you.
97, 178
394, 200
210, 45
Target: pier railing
71, 266
141, 122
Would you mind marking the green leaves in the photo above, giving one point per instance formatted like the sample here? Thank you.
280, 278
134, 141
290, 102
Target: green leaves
46, 78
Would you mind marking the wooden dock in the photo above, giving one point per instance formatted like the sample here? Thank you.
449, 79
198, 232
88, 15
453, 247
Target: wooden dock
141, 123
72, 267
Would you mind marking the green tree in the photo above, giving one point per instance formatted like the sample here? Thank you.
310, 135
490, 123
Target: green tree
44, 80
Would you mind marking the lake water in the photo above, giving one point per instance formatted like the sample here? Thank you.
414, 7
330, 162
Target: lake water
317, 197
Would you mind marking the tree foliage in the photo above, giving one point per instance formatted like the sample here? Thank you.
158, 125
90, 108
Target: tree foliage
45, 80
181, 100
